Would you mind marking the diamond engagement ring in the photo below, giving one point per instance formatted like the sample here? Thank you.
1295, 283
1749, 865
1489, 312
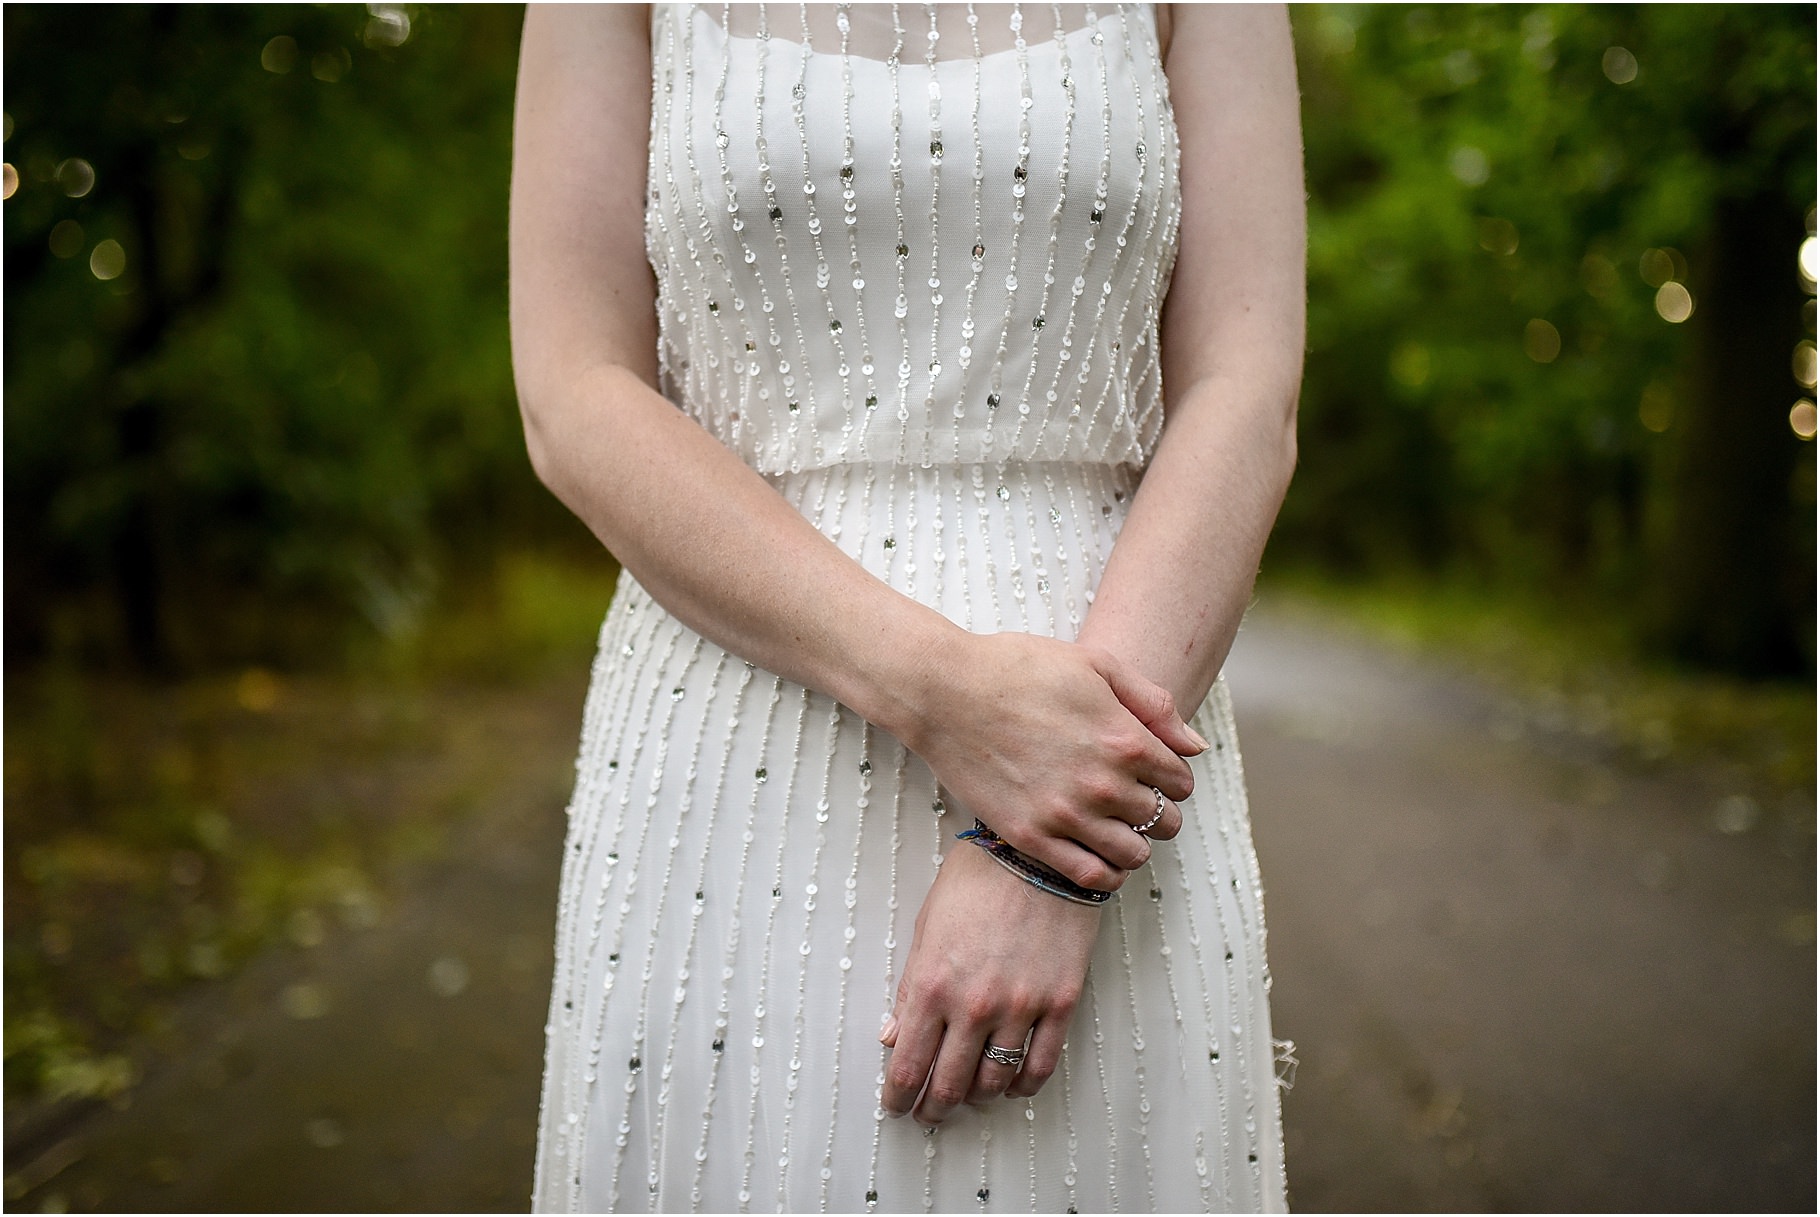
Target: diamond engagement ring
1006, 1056
1153, 821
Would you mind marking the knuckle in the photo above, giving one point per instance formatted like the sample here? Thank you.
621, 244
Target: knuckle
1165, 703
904, 1077
979, 1008
1103, 788
932, 991
1035, 1075
944, 1097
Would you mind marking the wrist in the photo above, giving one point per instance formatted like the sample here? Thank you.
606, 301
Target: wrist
904, 678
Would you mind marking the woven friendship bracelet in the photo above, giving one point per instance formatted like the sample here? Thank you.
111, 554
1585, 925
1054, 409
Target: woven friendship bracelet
1029, 869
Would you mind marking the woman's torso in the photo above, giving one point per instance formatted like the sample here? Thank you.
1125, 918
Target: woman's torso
877, 247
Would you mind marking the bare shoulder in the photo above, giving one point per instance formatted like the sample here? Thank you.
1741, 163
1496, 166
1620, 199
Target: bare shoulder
622, 25
1196, 30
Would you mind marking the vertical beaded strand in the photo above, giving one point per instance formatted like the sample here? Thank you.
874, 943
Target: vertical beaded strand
755, 1076
735, 395
850, 901
850, 211
730, 956
936, 150
1092, 1001
774, 210
681, 825
717, 284
1040, 321
824, 275
589, 834
661, 733
787, 448
978, 264
1236, 1061
1095, 217
1089, 427
1138, 1071
1020, 173
602, 735
901, 306
1194, 834
658, 242
890, 945
1157, 250
811, 889
1149, 197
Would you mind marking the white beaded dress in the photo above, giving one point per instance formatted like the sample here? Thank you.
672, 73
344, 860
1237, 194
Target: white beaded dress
909, 263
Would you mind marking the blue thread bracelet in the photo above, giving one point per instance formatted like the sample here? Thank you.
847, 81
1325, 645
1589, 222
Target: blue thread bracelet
1029, 869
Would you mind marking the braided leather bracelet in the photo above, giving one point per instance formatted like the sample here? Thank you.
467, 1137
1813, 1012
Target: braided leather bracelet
1029, 869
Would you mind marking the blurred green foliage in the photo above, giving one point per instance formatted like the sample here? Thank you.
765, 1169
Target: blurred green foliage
293, 412
1498, 195
285, 428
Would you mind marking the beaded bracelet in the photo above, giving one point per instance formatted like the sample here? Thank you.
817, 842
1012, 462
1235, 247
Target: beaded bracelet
1029, 869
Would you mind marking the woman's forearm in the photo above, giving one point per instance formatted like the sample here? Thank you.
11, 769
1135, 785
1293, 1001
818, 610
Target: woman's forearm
716, 545
1181, 574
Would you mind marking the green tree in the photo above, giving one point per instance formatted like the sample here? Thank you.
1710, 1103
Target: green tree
257, 374
1499, 381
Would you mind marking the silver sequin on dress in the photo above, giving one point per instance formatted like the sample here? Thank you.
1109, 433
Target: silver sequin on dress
909, 262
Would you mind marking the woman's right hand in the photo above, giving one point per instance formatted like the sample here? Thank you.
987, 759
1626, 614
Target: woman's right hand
1056, 746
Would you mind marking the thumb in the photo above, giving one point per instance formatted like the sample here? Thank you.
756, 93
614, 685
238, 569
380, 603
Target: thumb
1150, 704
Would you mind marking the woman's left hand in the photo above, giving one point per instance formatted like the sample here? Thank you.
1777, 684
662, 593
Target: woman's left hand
994, 961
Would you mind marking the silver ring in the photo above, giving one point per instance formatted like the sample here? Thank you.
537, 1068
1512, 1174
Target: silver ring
1153, 821
1013, 1057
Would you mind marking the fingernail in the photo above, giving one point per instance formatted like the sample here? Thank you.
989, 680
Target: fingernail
888, 1033
1199, 739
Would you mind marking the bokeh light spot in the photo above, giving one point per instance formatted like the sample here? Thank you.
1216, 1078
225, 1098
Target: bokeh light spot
67, 239
1598, 276
1619, 65
257, 690
12, 180
75, 176
279, 55
1656, 267
1541, 341
304, 1000
1803, 364
1470, 165
1809, 259
1801, 419
1497, 236
108, 261
1674, 302
1657, 409
331, 66
1409, 364
387, 25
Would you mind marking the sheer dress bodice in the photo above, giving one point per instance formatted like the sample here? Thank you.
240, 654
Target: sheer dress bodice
872, 246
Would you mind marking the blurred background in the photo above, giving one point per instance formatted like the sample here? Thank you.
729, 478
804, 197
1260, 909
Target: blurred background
295, 644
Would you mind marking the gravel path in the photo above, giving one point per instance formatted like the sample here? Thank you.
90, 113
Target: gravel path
1521, 976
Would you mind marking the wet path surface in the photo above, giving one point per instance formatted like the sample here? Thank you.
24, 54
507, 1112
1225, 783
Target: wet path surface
1521, 977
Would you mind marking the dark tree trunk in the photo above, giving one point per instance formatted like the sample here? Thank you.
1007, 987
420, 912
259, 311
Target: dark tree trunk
1725, 598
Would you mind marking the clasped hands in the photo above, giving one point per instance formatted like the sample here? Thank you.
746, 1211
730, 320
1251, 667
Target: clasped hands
1057, 747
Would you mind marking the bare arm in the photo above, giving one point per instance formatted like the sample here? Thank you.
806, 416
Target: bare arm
1232, 340
1056, 739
